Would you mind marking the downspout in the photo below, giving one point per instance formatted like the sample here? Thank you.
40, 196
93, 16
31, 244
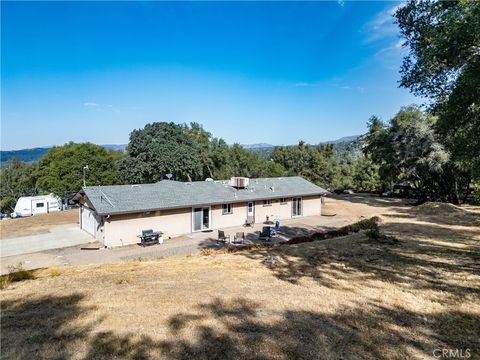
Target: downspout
105, 230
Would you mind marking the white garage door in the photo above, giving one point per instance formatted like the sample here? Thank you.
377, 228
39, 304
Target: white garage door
89, 222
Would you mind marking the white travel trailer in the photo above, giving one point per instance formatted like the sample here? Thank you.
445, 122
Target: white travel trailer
35, 205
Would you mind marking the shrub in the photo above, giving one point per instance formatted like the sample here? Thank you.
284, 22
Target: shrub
336, 233
16, 273
55, 272
374, 233
141, 259
364, 224
319, 236
207, 252
122, 281
300, 239
234, 249
22, 275
5, 281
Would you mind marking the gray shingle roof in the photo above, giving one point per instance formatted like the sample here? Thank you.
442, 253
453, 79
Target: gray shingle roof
167, 194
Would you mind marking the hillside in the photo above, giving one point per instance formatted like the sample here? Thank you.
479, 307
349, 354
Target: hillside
350, 297
347, 145
33, 155
25, 155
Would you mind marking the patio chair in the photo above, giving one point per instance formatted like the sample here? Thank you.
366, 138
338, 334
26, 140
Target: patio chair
250, 221
266, 233
239, 238
221, 236
276, 229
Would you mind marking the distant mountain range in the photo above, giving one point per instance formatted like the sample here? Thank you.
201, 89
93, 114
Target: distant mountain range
338, 141
344, 144
342, 140
32, 155
257, 146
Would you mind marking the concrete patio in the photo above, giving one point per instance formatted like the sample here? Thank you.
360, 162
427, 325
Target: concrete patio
288, 229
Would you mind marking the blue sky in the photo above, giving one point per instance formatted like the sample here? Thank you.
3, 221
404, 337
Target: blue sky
249, 72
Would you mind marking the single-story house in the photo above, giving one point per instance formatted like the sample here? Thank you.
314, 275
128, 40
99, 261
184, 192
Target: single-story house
115, 215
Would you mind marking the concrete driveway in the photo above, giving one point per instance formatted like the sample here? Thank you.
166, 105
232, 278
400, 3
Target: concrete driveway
58, 237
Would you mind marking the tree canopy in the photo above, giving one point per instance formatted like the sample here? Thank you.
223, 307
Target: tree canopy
16, 179
408, 151
189, 153
61, 169
325, 167
159, 149
443, 65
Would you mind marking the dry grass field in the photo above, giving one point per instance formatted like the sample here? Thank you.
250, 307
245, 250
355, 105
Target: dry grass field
345, 298
39, 224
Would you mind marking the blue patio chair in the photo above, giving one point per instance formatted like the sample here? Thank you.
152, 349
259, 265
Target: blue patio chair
276, 229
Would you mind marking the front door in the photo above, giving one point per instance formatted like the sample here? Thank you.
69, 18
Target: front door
201, 219
296, 207
251, 209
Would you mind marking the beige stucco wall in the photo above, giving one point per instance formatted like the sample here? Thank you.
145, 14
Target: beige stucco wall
312, 205
237, 218
275, 211
281, 211
123, 229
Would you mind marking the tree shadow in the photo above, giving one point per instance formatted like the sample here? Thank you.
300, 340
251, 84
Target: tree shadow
454, 216
42, 326
58, 327
418, 259
241, 329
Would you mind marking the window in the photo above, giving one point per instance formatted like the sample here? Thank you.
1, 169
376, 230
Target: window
283, 201
227, 209
267, 202
40, 205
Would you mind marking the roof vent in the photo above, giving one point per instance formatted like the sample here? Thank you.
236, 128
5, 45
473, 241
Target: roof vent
272, 188
135, 185
208, 179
